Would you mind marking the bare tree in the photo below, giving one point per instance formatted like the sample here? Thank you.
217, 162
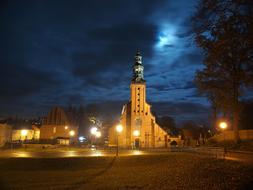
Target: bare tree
224, 30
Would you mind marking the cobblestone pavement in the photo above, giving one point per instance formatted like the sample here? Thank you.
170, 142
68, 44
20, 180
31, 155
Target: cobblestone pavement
172, 170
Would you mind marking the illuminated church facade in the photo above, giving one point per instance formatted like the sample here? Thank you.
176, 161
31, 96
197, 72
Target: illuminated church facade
140, 129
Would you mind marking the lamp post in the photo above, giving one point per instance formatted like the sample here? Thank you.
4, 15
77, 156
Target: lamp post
98, 134
93, 132
136, 134
223, 126
119, 129
71, 134
24, 133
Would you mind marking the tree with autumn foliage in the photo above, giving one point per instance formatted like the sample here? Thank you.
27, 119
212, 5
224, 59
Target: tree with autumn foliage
223, 29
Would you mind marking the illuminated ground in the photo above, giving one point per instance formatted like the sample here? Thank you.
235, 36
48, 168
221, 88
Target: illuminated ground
155, 171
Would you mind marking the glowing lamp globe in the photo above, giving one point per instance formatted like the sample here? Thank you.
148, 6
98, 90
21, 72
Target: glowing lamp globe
71, 133
93, 130
119, 128
24, 132
136, 133
223, 125
98, 134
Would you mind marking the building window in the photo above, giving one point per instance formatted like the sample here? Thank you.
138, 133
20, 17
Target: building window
138, 88
138, 94
138, 99
146, 113
138, 105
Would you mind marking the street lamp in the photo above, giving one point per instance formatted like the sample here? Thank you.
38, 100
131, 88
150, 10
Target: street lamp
136, 133
223, 125
98, 134
24, 133
93, 130
119, 129
95, 133
72, 133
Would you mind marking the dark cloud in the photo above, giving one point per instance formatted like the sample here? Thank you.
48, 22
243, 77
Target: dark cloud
21, 80
183, 111
187, 60
62, 52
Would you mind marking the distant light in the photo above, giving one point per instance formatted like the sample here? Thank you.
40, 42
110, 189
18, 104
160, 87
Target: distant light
66, 127
98, 134
22, 154
119, 128
137, 152
72, 133
24, 132
93, 130
93, 147
223, 125
71, 154
96, 153
81, 138
136, 133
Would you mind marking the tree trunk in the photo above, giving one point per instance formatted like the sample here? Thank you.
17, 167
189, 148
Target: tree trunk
236, 111
235, 126
214, 118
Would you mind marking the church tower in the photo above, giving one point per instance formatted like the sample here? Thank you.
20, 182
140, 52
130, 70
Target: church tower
138, 87
140, 129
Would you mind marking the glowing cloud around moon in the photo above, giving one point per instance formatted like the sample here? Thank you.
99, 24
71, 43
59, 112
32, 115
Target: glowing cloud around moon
165, 37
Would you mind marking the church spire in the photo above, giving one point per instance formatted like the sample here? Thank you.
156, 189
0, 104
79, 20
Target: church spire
138, 69
138, 58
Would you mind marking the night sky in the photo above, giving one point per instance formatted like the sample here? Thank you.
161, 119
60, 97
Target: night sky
81, 52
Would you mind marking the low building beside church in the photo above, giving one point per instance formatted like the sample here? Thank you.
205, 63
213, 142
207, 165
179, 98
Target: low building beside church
59, 125
140, 129
5, 133
24, 133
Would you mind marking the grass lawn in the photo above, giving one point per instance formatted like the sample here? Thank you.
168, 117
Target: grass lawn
166, 171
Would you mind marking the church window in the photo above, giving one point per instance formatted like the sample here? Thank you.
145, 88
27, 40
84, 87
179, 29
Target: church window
138, 124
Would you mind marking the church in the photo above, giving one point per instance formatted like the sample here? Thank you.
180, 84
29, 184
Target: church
140, 129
